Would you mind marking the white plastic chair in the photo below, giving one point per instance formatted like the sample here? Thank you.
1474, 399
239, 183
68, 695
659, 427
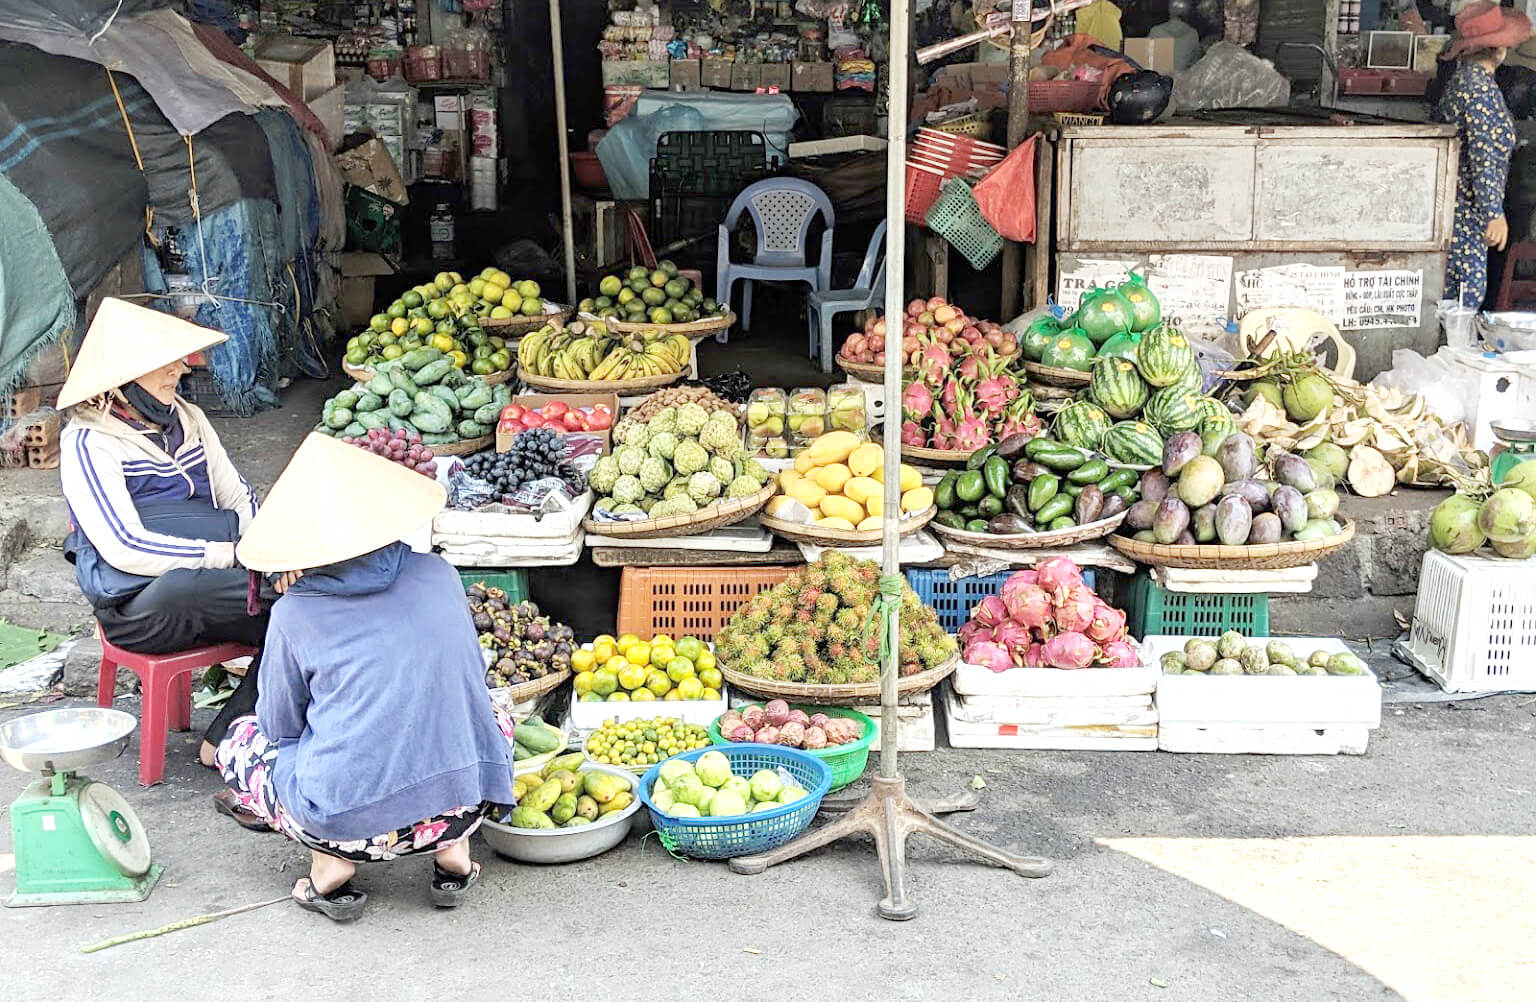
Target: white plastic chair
868, 289
1296, 330
782, 211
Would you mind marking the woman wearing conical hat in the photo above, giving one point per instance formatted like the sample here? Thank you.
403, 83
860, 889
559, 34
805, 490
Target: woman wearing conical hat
155, 503
374, 736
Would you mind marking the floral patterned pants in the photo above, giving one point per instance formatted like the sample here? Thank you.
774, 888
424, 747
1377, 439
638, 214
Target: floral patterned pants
245, 758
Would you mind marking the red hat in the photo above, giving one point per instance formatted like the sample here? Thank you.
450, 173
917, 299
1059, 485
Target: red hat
1485, 25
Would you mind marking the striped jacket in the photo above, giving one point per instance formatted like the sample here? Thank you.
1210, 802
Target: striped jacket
109, 467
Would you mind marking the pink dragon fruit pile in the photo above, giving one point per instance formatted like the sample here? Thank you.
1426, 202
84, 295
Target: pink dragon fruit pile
1047, 618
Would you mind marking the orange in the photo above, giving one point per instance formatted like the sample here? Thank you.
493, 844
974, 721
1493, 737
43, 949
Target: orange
583, 659
605, 682
710, 694
679, 669
625, 642
664, 639
691, 688
642, 695
660, 656
603, 649
673, 695
632, 677
705, 660
689, 647
639, 654
710, 677
616, 664
618, 697
584, 682
657, 682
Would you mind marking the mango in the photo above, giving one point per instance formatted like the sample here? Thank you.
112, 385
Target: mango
586, 807
833, 447
831, 478
618, 803
917, 499
545, 796
861, 489
601, 787
870, 524
577, 822
834, 523
865, 459
564, 809
910, 478
805, 462
520, 786
570, 760
838, 506
785, 507
787, 477
527, 817
875, 504
568, 779
807, 492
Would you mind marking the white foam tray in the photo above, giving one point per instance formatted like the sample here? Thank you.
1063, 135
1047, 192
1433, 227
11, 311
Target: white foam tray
1134, 730
974, 680
589, 716
1308, 701
499, 522
747, 537
1234, 740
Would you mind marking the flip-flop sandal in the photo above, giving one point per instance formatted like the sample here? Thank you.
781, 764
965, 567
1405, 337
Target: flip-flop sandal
344, 904
448, 889
224, 803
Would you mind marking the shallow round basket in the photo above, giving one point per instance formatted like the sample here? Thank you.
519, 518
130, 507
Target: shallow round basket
464, 447
847, 762
691, 329
519, 324
1260, 556
1053, 376
921, 453
807, 692
1033, 540
799, 532
619, 386
363, 374
743, 834
715, 516
565, 845
511, 695
869, 372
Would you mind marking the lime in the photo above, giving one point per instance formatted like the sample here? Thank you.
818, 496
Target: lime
396, 309
482, 367
411, 299
610, 286
378, 322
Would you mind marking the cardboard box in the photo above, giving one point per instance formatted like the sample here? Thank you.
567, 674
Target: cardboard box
537, 400
637, 72
1151, 53
306, 66
687, 75
812, 77
358, 272
774, 75
370, 167
746, 76
449, 109
716, 73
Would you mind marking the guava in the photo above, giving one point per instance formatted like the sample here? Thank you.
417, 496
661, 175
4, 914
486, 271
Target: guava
727, 804
790, 794
672, 768
713, 768
765, 784
684, 811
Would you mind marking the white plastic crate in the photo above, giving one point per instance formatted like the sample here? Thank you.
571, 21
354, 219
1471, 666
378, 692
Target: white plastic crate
1474, 625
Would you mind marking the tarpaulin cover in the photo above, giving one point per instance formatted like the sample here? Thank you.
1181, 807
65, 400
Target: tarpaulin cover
298, 218
229, 158
218, 43
36, 304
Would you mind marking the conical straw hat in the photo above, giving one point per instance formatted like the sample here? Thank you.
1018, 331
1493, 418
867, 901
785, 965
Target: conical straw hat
333, 502
127, 341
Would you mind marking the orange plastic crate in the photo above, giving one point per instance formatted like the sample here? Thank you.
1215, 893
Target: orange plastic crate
688, 601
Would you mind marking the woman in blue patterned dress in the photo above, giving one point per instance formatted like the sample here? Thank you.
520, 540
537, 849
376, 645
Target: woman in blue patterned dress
1474, 104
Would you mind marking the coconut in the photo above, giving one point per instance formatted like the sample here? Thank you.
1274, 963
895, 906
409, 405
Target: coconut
1523, 476
1508, 516
1453, 525
1307, 396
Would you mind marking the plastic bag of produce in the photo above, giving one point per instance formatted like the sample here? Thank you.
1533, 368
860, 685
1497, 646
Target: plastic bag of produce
1445, 387
1229, 76
1006, 196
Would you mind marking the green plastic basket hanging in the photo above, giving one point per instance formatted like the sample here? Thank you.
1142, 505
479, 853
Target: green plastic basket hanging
956, 217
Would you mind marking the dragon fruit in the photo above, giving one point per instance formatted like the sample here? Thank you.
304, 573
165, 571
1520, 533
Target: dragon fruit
988, 655
1073, 612
1028, 604
949, 397
943, 429
973, 631
990, 612
1020, 418
1015, 639
1118, 654
916, 401
1058, 575
971, 431
1069, 650
934, 363
995, 391
912, 434
1107, 624
970, 367
1034, 656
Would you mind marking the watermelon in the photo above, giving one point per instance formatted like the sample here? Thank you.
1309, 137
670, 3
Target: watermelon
1164, 355
1192, 379
1069, 349
1104, 313
1214, 429
1211, 407
1081, 423
1116, 387
1173, 409
1146, 311
1037, 335
1133, 442
1122, 345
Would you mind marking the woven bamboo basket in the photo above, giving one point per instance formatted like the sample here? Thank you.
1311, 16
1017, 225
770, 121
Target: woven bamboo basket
693, 328
619, 386
867, 371
716, 516
464, 447
799, 532
921, 453
1056, 377
534, 688
1034, 540
834, 695
1257, 557
520, 323
362, 374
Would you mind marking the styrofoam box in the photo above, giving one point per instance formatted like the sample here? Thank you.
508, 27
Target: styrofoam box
590, 716
1307, 701
1474, 624
1233, 740
1092, 724
974, 680
497, 522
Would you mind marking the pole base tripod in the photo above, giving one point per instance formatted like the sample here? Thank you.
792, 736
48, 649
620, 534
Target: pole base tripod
888, 816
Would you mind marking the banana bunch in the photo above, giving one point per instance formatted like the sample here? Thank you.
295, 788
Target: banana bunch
588, 352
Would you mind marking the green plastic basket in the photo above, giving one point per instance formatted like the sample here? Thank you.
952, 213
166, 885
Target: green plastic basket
956, 217
1156, 610
513, 582
847, 762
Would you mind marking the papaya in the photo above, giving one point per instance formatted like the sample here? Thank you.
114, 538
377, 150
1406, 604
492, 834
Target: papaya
601, 787
569, 781
527, 817
543, 798
541, 737
586, 807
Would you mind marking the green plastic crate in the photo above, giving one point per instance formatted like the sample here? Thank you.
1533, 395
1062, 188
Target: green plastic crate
513, 582
1156, 610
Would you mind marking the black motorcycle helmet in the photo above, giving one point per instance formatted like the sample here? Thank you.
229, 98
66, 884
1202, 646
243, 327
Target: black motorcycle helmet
1138, 98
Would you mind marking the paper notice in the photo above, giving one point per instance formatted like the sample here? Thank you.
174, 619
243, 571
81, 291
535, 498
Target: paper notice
1087, 273
1304, 286
1195, 290
1382, 299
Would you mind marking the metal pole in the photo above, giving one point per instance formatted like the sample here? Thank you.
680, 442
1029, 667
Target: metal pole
895, 291
557, 50
1018, 126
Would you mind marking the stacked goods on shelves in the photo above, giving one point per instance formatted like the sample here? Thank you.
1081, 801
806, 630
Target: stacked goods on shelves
1027, 677
583, 352
1503, 518
811, 629
521, 642
838, 482
628, 669
653, 296
1263, 695
933, 332
708, 788
679, 461
563, 795
1024, 487
642, 742
422, 393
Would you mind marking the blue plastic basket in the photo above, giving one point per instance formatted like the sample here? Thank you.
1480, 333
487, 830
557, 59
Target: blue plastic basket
954, 600
724, 838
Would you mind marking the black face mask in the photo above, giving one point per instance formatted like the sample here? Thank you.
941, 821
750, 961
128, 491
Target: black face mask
161, 415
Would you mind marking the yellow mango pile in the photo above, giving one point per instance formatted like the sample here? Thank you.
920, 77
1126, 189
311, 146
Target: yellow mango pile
842, 481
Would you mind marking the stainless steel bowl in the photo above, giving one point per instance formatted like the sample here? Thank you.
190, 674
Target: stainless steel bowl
56, 740
566, 845
1514, 429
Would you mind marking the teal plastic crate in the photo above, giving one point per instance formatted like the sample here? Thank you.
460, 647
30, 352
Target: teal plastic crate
513, 582
1153, 609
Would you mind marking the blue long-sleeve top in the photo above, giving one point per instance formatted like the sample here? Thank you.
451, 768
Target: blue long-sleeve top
1474, 104
373, 688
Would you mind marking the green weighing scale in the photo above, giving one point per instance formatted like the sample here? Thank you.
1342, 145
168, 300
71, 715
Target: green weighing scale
76, 840
1517, 443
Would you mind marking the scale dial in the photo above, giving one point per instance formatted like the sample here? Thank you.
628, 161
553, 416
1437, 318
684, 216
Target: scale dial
114, 829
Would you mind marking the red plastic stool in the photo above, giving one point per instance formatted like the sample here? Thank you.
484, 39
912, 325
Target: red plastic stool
166, 684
